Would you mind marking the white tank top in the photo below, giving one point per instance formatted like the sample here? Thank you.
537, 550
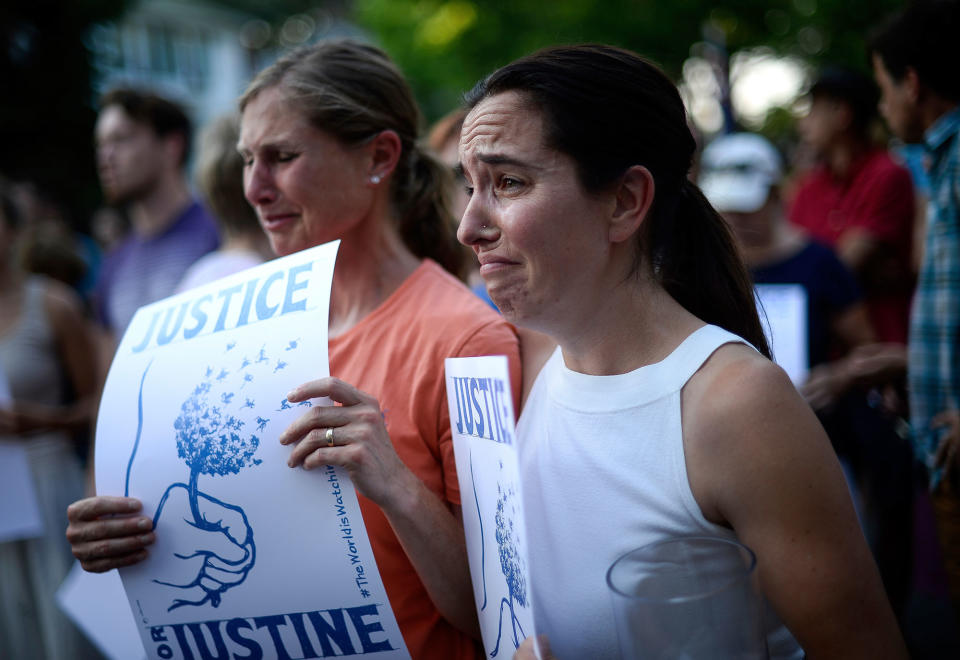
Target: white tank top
603, 472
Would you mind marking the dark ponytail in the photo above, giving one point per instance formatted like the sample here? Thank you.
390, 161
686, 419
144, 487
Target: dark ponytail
609, 109
696, 259
353, 91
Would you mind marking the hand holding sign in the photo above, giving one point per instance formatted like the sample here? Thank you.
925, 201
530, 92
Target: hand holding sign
534, 648
359, 441
209, 558
104, 533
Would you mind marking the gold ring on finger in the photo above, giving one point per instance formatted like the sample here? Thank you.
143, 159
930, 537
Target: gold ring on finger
329, 437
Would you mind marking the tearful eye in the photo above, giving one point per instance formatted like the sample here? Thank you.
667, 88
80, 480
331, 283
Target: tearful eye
508, 183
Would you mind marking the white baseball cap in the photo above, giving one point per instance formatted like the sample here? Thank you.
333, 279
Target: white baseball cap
737, 171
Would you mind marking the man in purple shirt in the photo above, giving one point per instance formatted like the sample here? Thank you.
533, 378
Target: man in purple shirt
142, 143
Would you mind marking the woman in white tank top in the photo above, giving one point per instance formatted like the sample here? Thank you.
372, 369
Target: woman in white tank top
586, 229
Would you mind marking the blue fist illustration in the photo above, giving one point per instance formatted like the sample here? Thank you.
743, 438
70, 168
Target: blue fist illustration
213, 438
215, 551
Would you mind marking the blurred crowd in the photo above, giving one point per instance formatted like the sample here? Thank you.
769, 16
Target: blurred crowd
854, 212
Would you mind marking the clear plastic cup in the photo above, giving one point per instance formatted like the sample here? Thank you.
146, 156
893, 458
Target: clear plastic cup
688, 598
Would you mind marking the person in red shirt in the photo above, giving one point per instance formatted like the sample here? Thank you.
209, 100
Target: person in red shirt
858, 200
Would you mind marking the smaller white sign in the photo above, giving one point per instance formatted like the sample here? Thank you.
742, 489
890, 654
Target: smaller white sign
484, 433
783, 314
97, 604
19, 509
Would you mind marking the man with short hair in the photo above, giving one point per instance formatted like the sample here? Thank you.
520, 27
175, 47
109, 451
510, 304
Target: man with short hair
857, 200
142, 143
914, 61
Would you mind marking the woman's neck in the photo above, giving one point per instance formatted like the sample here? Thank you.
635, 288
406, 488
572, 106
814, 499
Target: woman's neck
371, 264
637, 323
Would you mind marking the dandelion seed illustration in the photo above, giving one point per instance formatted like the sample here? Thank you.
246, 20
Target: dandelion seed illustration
284, 405
249, 403
245, 363
230, 346
226, 397
208, 372
280, 365
511, 564
247, 378
223, 374
305, 404
262, 356
261, 423
293, 344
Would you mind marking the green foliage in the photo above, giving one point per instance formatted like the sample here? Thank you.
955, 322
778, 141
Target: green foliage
445, 46
277, 10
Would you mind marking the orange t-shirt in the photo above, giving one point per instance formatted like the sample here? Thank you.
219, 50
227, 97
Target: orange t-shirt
396, 354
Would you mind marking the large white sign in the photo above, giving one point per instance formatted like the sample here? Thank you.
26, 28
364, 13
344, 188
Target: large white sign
482, 420
252, 559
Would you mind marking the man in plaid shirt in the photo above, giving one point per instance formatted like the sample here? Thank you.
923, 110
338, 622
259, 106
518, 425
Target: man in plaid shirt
915, 66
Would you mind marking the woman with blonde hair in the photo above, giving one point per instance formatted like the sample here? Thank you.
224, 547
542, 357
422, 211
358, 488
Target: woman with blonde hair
329, 140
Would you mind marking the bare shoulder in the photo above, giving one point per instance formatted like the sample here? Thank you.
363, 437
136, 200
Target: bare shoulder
759, 462
65, 312
60, 299
735, 381
744, 426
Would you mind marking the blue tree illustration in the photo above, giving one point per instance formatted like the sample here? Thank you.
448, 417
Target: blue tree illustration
211, 442
511, 564
211, 439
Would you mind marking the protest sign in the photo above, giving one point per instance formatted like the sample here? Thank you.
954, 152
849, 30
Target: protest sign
97, 604
783, 315
482, 421
251, 559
